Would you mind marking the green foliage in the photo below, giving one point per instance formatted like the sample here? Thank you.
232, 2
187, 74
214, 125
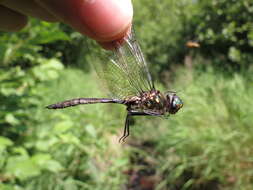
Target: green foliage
159, 28
25, 46
23, 68
224, 29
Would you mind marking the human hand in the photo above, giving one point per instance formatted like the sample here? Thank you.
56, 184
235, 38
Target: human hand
106, 21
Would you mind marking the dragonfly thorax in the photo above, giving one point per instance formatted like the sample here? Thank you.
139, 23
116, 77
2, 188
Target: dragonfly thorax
152, 101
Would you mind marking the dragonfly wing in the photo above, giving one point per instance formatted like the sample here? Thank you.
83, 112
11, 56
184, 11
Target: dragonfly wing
114, 79
125, 73
141, 65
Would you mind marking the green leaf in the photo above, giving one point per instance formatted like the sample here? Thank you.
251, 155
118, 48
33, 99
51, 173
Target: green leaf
5, 142
41, 159
121, 162
51, 33
46, 144
69, 138
53, 166
6, 187
250, 38
90, 129
48, 70
20, 150
22, 167
52, 64
234, 54
11, 119
63, 126
46, 162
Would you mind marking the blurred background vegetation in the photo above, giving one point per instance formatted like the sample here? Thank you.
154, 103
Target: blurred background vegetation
207, 145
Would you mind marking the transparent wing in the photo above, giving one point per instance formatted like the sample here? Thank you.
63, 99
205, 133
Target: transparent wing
125, 73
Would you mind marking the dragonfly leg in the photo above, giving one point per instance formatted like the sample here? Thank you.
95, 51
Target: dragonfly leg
144, 113
127, 134
126, 128
134, 113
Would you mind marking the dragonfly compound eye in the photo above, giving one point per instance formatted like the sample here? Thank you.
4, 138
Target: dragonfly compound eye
176, 104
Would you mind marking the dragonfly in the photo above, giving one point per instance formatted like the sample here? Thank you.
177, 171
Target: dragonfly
127, 77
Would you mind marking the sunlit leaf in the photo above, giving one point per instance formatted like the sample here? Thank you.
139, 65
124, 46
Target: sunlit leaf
10, 118
53, 166
5, 141
91, 130
63, 126
22, 167
45, 144
69, 138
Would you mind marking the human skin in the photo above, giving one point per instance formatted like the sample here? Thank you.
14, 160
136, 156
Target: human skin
106, 21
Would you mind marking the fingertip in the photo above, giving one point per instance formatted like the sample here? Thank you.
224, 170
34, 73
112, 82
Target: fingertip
107, 20
110, 45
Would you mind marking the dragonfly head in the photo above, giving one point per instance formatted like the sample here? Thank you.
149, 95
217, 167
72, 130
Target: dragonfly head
175, 103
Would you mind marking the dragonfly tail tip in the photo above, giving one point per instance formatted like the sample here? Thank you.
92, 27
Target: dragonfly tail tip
50, 107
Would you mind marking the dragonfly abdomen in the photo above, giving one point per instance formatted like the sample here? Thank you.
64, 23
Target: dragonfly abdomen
79, 101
